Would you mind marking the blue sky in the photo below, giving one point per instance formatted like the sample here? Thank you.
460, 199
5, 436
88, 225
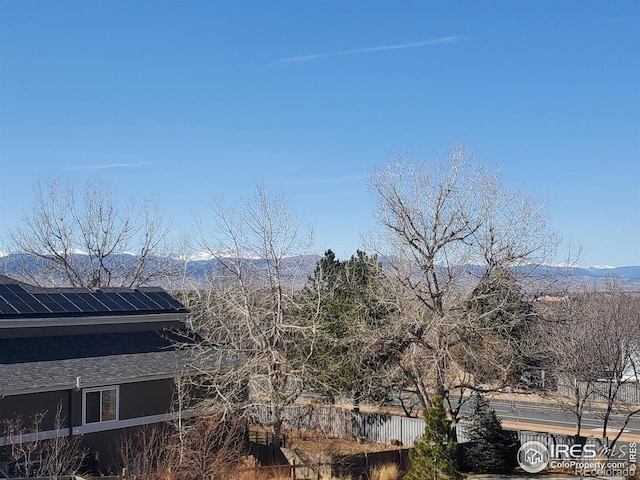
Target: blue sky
183, 100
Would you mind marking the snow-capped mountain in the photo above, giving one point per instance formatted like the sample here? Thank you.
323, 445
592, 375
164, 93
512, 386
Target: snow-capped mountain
198, 266
240, 252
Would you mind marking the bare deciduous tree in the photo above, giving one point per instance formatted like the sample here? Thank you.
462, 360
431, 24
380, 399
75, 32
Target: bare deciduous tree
445, 228
207, 447
617, 353
83, 237
150, 453
213, 446
249, 313
33, 455
23, 443
593, 349
568, 343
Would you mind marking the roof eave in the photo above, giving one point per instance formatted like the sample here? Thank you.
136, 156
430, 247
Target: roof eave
11, 323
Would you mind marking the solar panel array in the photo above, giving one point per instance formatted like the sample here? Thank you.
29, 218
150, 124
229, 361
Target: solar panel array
15, 300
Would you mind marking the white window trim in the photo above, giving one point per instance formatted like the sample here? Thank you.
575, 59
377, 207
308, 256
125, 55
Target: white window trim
100, 389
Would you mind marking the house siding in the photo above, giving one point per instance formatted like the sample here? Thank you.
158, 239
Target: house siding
26, 406
139, 399
145, 398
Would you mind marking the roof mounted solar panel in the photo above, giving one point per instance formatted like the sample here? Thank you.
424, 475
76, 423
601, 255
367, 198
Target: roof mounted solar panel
4, 289
112, 302
135, 299
93, 302
65, 305
165, 300
79, 301
53, 302
21, 300
33, 302
18, 303
149, 301
6, 307
15, 288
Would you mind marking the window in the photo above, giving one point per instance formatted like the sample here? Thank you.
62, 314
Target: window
100, 404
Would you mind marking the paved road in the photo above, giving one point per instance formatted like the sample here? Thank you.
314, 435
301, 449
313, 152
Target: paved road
550, 415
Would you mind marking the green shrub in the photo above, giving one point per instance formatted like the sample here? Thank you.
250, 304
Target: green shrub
434, 455
491, 449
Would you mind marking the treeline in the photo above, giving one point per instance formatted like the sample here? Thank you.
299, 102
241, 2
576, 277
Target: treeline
405, 315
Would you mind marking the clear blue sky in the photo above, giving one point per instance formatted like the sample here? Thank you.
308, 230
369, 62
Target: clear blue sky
181, 100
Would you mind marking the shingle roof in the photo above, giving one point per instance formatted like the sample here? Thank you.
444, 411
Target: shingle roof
68, 347
21, 300
106, 370
53, 363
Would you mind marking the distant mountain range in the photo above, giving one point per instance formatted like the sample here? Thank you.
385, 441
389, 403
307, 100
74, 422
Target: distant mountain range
628, 275
199, 267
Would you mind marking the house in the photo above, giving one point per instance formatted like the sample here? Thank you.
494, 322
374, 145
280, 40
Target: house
104, 357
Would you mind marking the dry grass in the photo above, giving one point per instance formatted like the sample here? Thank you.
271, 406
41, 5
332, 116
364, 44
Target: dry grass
385, 472
255, 475
307, 442
261, 475
264, 475
316, 449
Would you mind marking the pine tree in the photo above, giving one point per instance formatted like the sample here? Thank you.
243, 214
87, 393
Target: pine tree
434, 455
343, 297
491, 449
495, 336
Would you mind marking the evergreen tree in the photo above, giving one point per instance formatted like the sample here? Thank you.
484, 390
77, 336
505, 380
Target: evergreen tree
344, 298
491, 449
434, 455
494, 347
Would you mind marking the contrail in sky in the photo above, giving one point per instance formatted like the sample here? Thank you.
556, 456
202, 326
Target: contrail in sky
435, 41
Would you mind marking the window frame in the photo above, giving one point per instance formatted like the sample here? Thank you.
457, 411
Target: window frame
101, 390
